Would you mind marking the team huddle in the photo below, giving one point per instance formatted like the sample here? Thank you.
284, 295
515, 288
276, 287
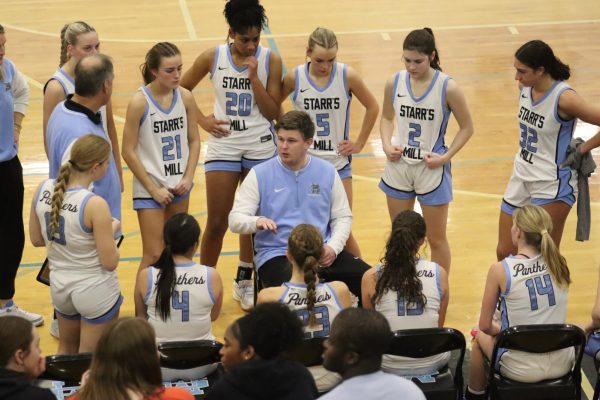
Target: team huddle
283, 182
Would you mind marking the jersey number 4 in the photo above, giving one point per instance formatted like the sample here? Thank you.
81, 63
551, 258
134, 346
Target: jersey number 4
181, 303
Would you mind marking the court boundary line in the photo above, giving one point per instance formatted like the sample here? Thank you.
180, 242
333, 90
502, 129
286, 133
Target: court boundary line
306, 34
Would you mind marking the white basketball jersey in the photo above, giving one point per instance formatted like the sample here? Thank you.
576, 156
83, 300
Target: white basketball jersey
326, 307
68, 85
162, 145
420, 122
531, 295
544, 135
235, 100
329, 109
403, 315
191, 304
73, 247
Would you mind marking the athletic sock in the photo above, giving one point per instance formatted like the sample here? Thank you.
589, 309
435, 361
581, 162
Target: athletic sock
471, 394
244, 271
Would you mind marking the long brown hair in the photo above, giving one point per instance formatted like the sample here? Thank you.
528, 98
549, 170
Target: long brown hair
125, 358
399, 272
305, 245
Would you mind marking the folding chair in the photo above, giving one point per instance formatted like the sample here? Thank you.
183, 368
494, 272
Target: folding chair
67, 367
309, 353
538, 339
421, 343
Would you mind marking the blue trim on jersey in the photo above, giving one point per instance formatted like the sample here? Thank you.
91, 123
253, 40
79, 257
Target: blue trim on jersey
208, 285
508, 279
185, 265
535, 103
314, 85
345, 80
504, 323
150, 285
563, 139
347, 122
267, 66
285, 292
157, 105
556, 114
346, 171
431, 84
396, 80
296, 285
146, 111
214, 64
81, 209
296, 84
501, 352
64, 88
230, 58
335, 296
67, 77
110, 314
438, 281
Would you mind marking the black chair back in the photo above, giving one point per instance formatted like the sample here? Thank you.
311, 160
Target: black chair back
538, 339
189, 353
67, 367
309, 353
421, 343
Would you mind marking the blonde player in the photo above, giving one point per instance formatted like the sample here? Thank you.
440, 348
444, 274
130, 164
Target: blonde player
324, 88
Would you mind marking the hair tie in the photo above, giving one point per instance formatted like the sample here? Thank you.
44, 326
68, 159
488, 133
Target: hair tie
72, 163
544, 232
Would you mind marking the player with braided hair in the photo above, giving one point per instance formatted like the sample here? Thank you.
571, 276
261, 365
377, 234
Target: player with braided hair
77, 40
315, 303
410, 291
78, 231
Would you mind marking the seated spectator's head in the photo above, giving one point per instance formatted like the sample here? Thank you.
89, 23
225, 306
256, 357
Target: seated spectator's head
357, 341
125, 359
20, 347
268, 332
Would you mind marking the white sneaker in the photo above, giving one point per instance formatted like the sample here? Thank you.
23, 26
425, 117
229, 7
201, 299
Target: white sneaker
54, 327
12, 309
243, 291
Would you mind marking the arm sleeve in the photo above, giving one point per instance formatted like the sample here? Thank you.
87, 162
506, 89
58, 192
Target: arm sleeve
341, 216
20, 91
242, 218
